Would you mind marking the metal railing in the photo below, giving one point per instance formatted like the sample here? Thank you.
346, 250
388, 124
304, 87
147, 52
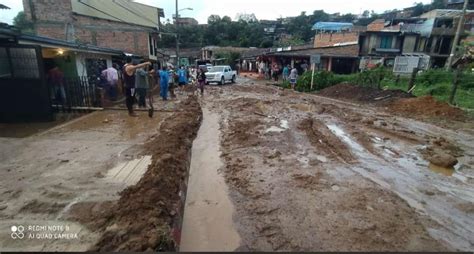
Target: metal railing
77, 94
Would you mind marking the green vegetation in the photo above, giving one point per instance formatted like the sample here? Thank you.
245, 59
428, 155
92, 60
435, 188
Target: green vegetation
437, 83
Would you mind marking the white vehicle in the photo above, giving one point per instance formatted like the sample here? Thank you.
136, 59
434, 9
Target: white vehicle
221, 74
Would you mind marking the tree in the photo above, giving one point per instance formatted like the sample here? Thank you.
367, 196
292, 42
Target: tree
437, 4
22, 23
418, 10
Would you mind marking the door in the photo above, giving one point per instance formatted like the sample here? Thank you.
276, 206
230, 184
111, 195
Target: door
25, 95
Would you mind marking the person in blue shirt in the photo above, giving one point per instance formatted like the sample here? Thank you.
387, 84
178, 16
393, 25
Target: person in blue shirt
286, 72
182, 77
164, 80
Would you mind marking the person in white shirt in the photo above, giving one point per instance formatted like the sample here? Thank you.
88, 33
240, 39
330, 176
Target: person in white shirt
111, 75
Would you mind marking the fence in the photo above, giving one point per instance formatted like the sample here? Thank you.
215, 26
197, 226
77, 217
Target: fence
78, 94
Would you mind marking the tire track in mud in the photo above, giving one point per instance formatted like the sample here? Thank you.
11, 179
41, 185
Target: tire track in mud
288, 204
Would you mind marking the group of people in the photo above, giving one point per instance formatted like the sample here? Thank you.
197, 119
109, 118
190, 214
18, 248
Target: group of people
136, 82
269, 71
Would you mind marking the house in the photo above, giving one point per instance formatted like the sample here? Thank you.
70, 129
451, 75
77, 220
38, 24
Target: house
119, 24
185, 21
334, 33
211, 53
340, 59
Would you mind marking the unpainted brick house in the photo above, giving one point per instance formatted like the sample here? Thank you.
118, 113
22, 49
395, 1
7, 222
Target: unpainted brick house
117, 24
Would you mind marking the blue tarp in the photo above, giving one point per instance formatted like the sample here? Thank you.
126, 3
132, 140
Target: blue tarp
332, 26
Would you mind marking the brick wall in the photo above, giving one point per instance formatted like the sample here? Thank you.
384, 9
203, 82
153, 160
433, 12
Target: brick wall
54, 19
326, 40
377, 25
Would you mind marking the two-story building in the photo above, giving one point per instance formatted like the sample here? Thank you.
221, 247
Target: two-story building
430, 34
119, 24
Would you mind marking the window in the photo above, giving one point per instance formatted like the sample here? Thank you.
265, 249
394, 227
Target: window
386, 42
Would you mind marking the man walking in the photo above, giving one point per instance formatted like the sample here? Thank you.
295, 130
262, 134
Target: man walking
129, 78
286, 72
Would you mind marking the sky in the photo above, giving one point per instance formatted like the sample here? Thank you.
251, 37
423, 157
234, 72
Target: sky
263, 9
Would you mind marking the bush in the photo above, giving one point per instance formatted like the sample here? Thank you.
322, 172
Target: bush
322, 79
374, 77
434, 76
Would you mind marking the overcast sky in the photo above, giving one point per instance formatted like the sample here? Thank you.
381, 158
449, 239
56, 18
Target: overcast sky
263, 9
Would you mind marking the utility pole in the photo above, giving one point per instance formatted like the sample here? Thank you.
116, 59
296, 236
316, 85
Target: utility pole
177, 34
449, 63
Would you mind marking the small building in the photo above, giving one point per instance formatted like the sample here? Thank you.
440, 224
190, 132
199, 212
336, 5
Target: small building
341, 59
185, 21
26, 61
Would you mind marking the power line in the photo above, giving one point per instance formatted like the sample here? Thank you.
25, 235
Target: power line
80, 1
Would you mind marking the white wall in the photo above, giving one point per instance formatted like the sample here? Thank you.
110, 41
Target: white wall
81, 61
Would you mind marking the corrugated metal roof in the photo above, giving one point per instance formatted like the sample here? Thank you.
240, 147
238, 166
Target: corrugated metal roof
444, 13
4, 7
332, 26
124, 11
45, 41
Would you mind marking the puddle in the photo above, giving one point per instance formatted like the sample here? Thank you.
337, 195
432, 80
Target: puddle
321, 158
274, 129
441, 170
340, 133
207, 221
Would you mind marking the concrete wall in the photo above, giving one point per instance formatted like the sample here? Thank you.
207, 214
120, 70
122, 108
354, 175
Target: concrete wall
409, 44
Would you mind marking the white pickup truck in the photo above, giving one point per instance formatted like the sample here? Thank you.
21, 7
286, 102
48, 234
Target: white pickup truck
220, 74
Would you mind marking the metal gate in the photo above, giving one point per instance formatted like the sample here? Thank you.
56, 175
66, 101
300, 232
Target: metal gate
25, 94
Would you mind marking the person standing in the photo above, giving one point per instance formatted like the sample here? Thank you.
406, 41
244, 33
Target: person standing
286, 72
142, 85
182, 77
111, 76
293, 78
129, 78
56, 79
276, 72
164, 81
201, 78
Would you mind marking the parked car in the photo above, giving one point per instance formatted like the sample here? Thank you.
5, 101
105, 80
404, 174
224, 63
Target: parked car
205, 67
220, 74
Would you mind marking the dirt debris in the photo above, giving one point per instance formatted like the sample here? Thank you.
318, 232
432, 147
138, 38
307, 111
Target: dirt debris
363, 94
147, 215
427, 107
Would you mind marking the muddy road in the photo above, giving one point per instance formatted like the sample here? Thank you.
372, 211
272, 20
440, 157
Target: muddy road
308, 173
246, 167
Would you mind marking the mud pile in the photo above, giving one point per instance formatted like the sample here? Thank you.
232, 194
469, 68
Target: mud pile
427, 107
148, 215
363, 94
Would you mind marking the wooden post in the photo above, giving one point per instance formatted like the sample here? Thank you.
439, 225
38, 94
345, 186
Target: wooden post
457, 77
412, 79
312, 75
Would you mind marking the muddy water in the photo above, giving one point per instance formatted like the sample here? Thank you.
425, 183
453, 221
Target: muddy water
207, 223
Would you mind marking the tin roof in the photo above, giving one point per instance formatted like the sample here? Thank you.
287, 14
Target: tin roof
48, 42
332, 26
4, 7
124, 11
